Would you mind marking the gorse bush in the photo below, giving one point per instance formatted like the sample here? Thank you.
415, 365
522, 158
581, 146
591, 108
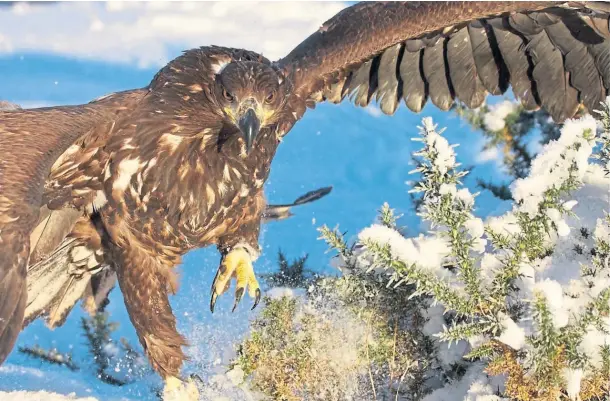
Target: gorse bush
328, 347
513, 307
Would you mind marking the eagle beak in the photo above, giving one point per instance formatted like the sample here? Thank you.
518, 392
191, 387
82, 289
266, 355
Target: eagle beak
249, 125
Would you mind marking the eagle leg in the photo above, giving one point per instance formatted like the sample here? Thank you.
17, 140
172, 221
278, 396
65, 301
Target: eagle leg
236, 264
145, 281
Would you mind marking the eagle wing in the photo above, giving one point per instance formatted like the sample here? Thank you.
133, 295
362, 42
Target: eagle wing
31, 141
554, 55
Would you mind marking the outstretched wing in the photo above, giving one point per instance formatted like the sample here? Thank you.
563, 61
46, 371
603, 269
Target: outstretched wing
30, 142
554, 55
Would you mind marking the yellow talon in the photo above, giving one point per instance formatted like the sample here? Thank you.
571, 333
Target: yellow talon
236, 264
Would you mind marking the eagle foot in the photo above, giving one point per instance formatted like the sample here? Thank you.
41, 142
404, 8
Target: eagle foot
178, 390
236, 264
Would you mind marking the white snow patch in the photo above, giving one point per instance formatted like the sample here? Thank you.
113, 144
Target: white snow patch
40, 396
475, 385
573, 378
495, 119
553, 293
553, 165
280, 292
513, 335
592, 342
427, 252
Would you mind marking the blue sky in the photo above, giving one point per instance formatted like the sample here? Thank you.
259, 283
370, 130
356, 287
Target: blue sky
72, 53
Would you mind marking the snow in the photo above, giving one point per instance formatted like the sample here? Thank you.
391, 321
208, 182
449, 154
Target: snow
40, 396
280, 292
475, 227
447, 353
473, 386
592, 341
569, 205
573, 378
226, 387
552, 166
556, 277
494, 120
427, 251
446, 189
445, 156
489, 265
552, 291
513, 335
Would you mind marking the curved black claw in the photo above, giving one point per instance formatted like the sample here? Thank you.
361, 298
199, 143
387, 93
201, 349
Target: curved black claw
257, 298
213, 301
214, 295
239, 293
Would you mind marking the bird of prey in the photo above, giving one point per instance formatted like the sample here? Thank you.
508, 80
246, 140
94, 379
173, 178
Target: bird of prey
59, 277
139, 178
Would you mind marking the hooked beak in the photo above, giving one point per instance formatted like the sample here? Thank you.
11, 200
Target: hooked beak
249, 125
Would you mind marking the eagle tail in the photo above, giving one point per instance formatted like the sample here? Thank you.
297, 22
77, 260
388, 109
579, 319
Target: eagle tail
281, 212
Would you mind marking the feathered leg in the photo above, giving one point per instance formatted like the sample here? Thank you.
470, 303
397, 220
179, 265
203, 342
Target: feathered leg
145, 282
239, 249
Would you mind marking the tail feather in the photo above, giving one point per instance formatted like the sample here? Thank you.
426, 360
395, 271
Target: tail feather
281, 212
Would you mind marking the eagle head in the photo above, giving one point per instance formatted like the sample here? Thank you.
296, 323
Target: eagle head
251, 95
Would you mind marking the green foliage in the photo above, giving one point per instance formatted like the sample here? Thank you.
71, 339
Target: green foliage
291, 274
478, 310
52, 356
97, 331
105, 353
520, 126
348, 339
387, 216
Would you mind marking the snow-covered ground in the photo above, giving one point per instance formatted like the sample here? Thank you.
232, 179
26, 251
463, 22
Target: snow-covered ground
40, 396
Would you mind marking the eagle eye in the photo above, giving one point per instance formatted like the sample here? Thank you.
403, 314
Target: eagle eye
229, 97
270, 97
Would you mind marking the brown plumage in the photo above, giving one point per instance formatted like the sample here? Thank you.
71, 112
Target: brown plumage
137, 179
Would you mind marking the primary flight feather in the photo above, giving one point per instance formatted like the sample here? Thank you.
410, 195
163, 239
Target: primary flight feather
136, 179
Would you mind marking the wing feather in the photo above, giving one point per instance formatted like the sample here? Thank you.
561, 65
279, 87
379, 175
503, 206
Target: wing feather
435, 74
414, 88
30, 143
359, 86
487, 58
387, 93
51, 231
552, 81
463, 71
511, 47
462, 50
579, 61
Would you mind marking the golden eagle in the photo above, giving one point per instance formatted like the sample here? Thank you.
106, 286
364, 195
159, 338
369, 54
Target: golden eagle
136, 179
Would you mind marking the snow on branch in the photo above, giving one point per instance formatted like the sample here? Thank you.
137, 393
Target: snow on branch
526, 293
